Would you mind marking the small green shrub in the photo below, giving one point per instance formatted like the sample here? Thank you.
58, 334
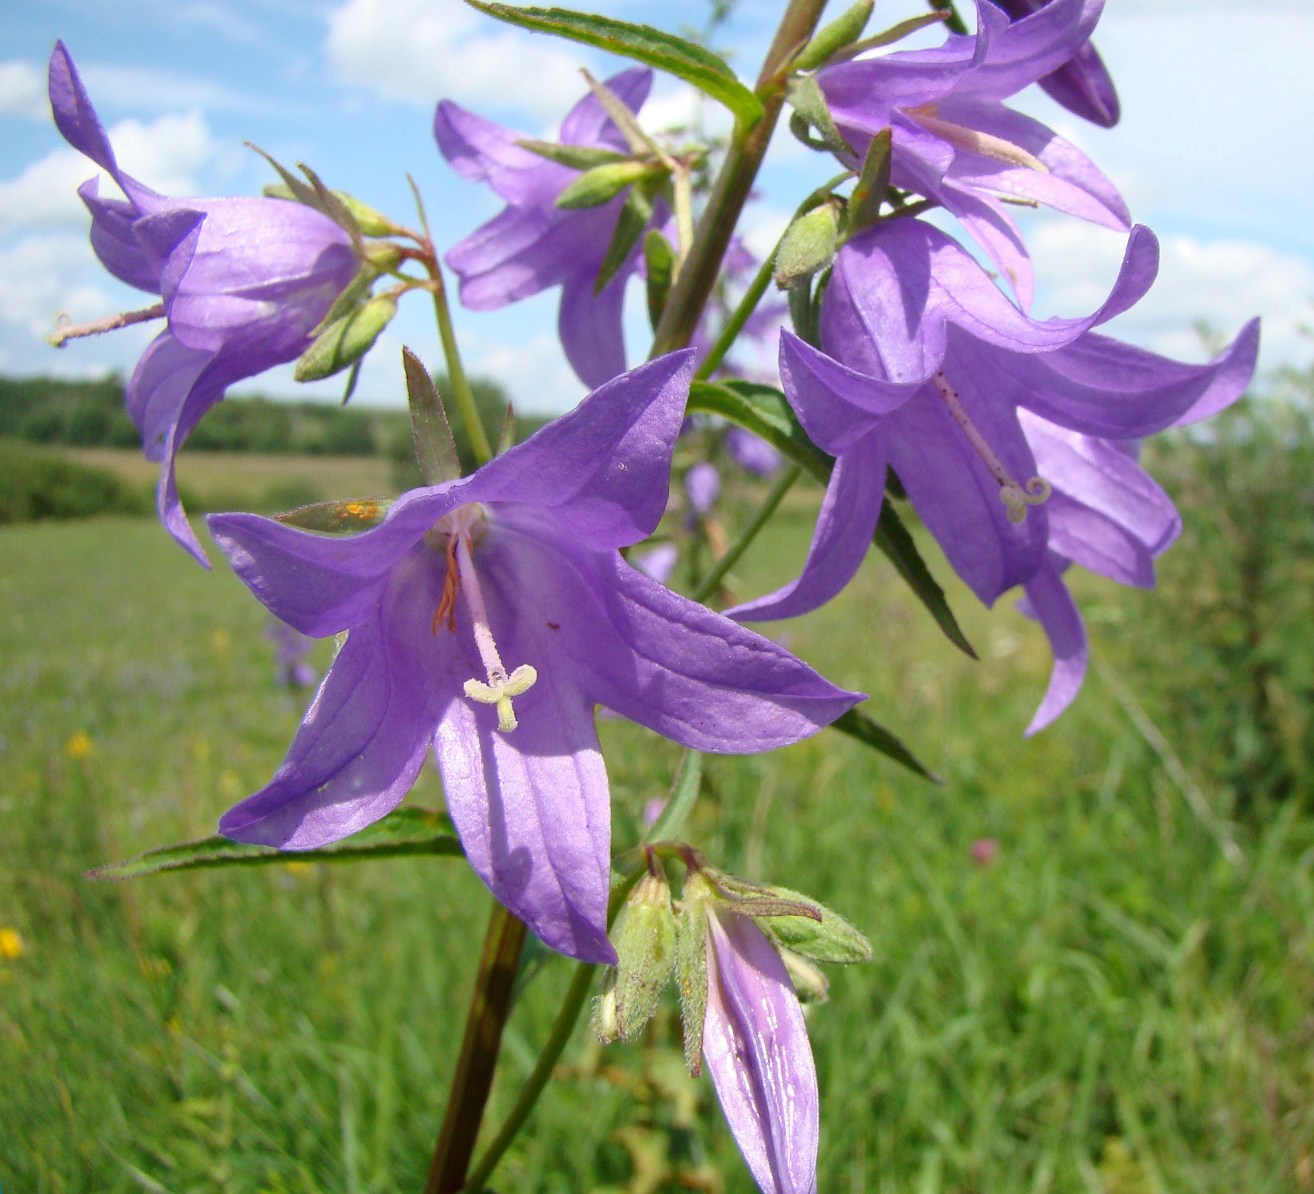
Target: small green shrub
36, 484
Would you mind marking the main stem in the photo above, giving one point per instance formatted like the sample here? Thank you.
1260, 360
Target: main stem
734, 182
490, 1005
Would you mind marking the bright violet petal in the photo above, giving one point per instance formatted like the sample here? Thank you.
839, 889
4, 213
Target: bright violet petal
113, 240
365, 735
587, 123
1052, 604
755, 1046
604, 466
482, 151
840, 541
1020, 52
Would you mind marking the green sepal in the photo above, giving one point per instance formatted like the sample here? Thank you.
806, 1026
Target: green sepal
345, 517
684, 59
828, 938
577, 157
435, 446
831, 38
631, 222
872, 185
807, 246
691, 968
644, 936
888, 37
602, 184
343, 342
805, 96
352, 297
403, 832
659, 262
684, 791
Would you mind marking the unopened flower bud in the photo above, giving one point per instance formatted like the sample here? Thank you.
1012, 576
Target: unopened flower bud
644, 938
346, 339
369, 220
807, 246
601, 184
842, 31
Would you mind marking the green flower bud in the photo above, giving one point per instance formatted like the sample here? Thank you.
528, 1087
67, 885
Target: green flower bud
644, 937
807, 246
691, 966
842, 31
368, 219
344, 341
828, 939
601, 184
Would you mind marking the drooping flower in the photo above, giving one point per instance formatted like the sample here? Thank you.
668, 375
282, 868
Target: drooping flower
489, 615
243, 281
1082, 84
926, 368
755, 1046
953, 139
532, 244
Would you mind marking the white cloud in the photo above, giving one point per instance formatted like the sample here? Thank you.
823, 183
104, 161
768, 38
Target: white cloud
23, 91
417, 51
1220, 282
165, 154
534, 373
159, 89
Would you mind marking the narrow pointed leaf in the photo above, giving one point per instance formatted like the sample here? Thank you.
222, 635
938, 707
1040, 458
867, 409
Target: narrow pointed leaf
577, 157
653, 47
870, 733
872, 185
407, 831
679, 803
435, 449
630, 224
659, 259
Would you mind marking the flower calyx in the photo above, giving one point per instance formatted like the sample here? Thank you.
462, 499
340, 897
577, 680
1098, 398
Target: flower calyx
645, 940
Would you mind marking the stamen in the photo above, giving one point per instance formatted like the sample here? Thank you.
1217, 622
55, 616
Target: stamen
1015, 497
973, 140
461, 576
71, 331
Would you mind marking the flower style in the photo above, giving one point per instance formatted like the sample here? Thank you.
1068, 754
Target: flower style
244, 281
926, 368
755, 1046
489, 615
1082, 84
532, 244
955, 142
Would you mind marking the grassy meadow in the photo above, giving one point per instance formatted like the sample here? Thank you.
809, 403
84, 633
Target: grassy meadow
1119, 1000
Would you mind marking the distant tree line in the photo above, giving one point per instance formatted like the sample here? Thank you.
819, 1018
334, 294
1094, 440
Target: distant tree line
90, 413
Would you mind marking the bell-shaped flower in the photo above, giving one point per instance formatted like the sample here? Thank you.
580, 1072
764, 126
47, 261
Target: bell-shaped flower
926, 366
532, 244
755, 1047
954, 141
243, 281
489, 615
1082, 84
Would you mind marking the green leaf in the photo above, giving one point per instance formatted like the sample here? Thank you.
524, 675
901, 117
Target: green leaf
873, 734
873, 184
631, 222
766, 412
653, 47
435, 449
404, 832
577, 157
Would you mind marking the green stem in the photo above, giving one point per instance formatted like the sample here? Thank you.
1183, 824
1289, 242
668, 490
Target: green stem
462, 395
571, 1006
761, 516
734, 182
747, 305
490, 1005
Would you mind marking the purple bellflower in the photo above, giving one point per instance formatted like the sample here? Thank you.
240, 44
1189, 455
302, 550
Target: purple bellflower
955, 142
243, 281
1105, 513
488, 615
926, 367
1082, 84
755, 1047
532, 244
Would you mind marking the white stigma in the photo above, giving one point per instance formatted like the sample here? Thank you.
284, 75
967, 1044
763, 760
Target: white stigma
499, 686
1016, 497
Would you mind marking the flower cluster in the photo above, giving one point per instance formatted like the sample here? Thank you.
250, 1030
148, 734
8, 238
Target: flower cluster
487, 617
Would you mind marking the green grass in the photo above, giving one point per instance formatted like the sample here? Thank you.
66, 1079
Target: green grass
1111, 1005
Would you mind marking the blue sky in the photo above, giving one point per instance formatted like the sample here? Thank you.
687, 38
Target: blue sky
1213, 153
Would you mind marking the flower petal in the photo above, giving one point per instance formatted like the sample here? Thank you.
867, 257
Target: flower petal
365, 736
482, 151
591, 325
1052, 604
755, 1046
